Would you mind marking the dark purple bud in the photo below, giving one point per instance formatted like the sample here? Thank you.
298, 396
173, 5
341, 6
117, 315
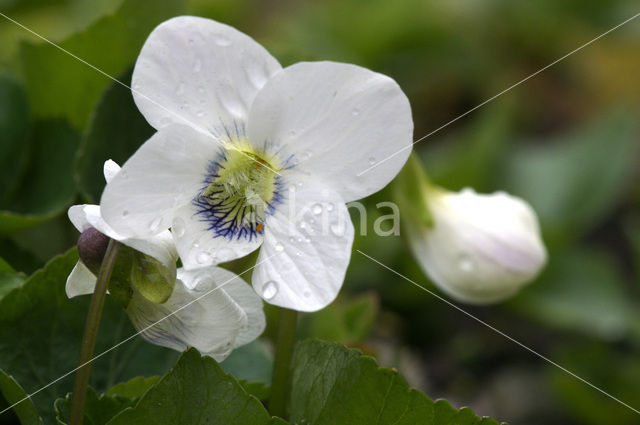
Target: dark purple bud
92, 245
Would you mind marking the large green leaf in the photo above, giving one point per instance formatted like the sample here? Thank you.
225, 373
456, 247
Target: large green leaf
332, 384
41, 330
60, 85
14, 130
9, 278
196, 391
98, 410
12, 393
573, 181
115, 131
47, 186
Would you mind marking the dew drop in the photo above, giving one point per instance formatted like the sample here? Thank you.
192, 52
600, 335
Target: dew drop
203, 257
299, 253
200, 89
155, 224
125, 213
299, 184
292, 239
197, 65
279, 247
292, 133
372, 160
306, 294
305, 155
465, 263
299, 240
178, 227
191, 41
196, 245
355, 112
317, 209
330, 207
269, 289
223, 41
180, 89
200, 113
338, 229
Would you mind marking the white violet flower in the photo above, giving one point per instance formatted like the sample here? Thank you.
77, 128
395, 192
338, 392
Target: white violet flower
480, 248
211, 309
249, 154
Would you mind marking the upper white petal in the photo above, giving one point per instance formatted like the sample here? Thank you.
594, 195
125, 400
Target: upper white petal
306, 251
110, 169
80, 282
335, 120
200, 247
164, 174
199, 72
482, 248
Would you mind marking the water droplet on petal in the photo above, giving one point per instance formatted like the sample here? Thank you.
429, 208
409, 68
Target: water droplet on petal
299, 253
330, 207
465, 263
279, 247
304, 156
196, 245
306, 294
200, 113
203, 257
125, 213
338, 229
197, 65
269, 289
372, 161
200, 89
178, 227
155, 224
180, 89
317, 209
292, 239
223, 41
355, 112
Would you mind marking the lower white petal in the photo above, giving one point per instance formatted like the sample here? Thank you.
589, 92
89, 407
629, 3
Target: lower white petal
165, 173
199, 246
202, 316
80, 282
306, 250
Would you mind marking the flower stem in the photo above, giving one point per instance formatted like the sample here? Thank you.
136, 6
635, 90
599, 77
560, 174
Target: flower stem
90, 334
287, 321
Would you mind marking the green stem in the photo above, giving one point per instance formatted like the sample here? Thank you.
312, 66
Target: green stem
90, 334
287, 321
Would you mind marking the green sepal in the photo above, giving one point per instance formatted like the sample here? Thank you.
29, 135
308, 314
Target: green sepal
138, 272
411, 190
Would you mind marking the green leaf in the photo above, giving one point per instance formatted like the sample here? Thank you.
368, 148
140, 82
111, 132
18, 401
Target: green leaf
252, 362
60, 85
9, 278
47, 186
116, 130
41, 330
12, 393
196, 391
98, 410
344, 320
14, 127
133, 388
592, 169
332, 384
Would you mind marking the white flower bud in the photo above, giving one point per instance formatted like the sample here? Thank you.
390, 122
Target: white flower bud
481, 248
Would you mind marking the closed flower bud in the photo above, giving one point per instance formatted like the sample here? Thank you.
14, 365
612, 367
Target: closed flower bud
92, 246
480, 249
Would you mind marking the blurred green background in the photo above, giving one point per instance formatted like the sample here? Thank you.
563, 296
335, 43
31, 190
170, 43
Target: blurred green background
566, 140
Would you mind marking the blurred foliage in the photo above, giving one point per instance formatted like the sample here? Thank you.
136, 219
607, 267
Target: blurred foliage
566, 140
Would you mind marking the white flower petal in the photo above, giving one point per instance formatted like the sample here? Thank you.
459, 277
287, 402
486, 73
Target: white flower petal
482, 248
200, 247
110, 169
78, 217
335, 120
196, 315
199, 72
306, 250
165, 173
80, 282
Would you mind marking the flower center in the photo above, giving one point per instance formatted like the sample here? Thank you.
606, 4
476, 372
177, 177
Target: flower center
241, 189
